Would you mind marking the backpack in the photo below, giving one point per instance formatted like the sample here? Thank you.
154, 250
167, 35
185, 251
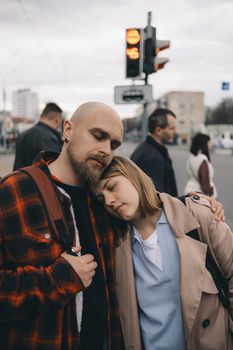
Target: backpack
212, 267
47, 192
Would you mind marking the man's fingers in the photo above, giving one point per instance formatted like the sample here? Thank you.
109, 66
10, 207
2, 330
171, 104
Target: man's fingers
91, 266
218, 210
86, 258
84, 266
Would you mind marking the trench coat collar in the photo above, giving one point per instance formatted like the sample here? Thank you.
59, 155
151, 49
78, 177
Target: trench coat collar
179, 217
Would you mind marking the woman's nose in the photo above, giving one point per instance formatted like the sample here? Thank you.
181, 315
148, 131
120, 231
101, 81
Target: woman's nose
109, 199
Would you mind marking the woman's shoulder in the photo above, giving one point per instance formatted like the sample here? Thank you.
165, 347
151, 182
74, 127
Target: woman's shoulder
197, 160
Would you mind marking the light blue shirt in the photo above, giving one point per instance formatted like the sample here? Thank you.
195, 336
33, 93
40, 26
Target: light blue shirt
158, 292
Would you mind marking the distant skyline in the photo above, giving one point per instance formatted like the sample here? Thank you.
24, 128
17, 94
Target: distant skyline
73, 51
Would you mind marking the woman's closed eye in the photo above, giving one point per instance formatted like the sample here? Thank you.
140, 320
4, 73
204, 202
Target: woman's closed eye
111, 187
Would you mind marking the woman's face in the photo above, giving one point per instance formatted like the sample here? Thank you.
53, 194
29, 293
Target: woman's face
119, 196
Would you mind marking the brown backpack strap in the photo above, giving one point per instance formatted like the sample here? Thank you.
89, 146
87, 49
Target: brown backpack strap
49, 197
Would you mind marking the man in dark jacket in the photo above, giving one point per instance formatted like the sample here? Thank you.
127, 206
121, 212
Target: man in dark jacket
43, 136
152, 156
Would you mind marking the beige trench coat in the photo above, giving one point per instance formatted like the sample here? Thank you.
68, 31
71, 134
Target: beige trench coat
206, 323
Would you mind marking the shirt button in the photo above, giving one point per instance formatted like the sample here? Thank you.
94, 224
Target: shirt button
205, 323
196, 197
47, 235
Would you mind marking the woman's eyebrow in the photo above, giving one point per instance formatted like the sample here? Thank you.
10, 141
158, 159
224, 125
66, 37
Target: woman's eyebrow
106, 183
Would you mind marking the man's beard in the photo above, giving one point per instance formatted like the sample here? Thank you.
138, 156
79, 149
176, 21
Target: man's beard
85, 171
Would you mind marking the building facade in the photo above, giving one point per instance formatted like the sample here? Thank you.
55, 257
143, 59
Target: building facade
189, 108
25, 104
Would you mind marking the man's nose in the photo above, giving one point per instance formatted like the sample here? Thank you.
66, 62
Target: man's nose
106, 147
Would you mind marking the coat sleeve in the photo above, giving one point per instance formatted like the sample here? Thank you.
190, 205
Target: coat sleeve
219, 238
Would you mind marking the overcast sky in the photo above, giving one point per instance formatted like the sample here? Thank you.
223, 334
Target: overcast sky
72, 51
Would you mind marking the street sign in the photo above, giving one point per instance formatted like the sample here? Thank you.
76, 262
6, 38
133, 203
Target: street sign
225, 85
133, 94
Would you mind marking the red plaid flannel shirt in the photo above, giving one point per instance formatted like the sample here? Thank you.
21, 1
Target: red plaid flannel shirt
37, 286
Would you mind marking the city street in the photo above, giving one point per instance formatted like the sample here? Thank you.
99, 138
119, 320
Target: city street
222, 162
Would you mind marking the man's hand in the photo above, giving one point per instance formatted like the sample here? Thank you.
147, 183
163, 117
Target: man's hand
83, 265
215, 206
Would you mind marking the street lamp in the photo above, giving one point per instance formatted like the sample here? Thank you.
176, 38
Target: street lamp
4, 89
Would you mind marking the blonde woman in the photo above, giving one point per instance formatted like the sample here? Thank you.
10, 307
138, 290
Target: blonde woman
167, 297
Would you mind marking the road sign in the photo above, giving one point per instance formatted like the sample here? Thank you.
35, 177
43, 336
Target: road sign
133, 94
225, 85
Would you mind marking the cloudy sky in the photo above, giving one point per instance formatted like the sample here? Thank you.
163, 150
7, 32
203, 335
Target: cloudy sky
72, 51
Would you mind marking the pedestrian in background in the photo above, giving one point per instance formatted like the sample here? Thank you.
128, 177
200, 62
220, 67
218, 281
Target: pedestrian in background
199, 168
167, 297
152, 155
43, 136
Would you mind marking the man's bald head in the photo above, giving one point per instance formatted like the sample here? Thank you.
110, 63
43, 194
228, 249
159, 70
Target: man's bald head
94, 110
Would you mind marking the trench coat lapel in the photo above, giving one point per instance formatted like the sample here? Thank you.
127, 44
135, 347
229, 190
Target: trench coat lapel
126, 292
194, 278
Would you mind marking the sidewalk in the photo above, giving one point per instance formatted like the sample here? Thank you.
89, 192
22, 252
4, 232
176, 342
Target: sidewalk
6, 163
4, 150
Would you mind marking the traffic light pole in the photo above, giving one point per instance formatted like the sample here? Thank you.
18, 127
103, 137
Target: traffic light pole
144, 121
149, 34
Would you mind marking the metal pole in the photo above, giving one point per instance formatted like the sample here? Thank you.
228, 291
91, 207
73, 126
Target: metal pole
145, 105
144, 121
3, 96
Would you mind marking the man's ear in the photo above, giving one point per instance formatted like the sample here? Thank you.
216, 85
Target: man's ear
157, 131
67, 129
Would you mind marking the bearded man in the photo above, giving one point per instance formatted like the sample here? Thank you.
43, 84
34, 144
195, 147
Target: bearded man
50, 299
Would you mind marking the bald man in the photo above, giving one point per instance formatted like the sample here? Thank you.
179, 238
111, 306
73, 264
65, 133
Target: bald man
50, 299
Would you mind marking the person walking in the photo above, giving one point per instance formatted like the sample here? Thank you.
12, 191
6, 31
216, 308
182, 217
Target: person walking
199, 167
50, 299
167, 297
43, 136
152, 155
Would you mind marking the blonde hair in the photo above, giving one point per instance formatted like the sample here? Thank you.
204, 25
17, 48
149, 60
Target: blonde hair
148, 197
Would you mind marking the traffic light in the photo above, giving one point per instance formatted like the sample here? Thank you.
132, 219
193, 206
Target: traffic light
160, 61
149, 50
151, 62
134, 49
